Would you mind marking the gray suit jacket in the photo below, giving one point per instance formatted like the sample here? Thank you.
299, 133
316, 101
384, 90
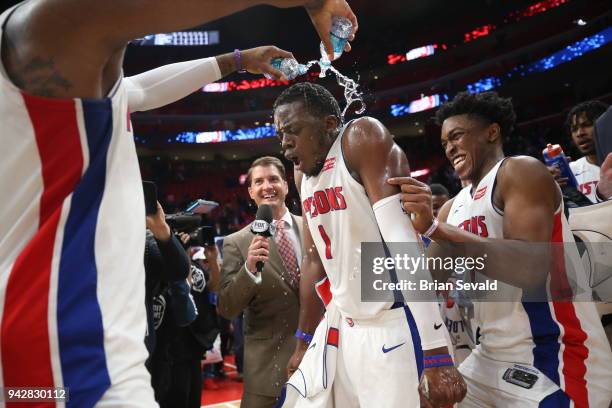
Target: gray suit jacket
270, 311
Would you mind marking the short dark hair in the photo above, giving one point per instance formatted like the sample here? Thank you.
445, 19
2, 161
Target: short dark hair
592, 110
266, 161
486, 106
318, 100
439, 189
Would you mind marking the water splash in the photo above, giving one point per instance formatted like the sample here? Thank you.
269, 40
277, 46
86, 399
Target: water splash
351, 88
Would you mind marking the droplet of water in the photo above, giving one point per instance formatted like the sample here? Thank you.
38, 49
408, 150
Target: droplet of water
351, 88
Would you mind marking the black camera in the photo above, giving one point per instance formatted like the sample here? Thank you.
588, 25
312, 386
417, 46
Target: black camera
183, 222
203, 236
191, 224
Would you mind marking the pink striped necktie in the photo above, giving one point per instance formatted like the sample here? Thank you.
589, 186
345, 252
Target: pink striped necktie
287, 253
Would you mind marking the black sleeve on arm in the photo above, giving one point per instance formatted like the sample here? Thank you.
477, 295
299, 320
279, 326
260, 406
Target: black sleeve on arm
175, 259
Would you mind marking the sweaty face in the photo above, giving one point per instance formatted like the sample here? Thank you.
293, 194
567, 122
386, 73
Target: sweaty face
464, 141
268, 187
302, 137
582, 134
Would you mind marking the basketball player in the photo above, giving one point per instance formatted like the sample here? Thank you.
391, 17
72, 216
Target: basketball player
72, 219
346, 201
531, 354
440, 196
580, 123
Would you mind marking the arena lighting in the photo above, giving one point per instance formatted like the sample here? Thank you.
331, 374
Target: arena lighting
419, 173
569, 53
418, 105
252, 84
482, 31
415, 53
242, 85
180, 38
536, 8
484, 85
478, 32
220, 136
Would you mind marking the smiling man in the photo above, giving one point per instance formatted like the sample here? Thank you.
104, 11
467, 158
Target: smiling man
384, 349
269, 298
530, 354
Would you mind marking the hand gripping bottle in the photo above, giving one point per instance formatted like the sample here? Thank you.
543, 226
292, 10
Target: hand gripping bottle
341, 30
289, 67
554, 156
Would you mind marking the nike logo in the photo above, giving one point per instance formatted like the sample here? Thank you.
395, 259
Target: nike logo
311, 346
437, 326
457, 209
386, 350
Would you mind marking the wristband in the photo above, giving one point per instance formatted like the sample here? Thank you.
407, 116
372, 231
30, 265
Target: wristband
303, 336
599, 197
438, 360
432, 228
238, 61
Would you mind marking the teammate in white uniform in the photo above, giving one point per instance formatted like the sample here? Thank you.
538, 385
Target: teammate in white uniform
580, 124
531, 354
341, 175
72, 221
587, 176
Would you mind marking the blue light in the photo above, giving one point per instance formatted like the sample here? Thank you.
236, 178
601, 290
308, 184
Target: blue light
569, 53
220, 136
399, 109
484, 84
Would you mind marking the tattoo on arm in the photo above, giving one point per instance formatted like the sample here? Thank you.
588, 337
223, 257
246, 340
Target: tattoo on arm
38, 75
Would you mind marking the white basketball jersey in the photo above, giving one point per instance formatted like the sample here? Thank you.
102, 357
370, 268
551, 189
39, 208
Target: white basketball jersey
340, 217
72, 231
564, 340
587, 176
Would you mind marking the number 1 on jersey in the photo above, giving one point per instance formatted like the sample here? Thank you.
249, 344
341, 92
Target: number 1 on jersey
328, 254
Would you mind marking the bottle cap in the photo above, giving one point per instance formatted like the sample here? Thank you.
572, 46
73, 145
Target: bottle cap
553, 150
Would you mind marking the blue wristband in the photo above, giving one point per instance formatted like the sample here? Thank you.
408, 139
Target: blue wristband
438, 360
303, 336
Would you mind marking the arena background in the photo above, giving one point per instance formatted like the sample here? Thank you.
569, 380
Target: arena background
546, 55
408, 57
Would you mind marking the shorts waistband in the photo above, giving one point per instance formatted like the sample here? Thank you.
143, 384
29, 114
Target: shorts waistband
383, 316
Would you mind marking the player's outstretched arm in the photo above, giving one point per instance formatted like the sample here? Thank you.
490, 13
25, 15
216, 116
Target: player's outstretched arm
74, 48
311, 307
169, 83
116, 22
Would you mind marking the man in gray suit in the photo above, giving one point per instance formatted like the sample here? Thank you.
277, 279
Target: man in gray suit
270, 298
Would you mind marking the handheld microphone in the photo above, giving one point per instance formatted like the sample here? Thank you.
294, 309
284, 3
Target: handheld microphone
262, 226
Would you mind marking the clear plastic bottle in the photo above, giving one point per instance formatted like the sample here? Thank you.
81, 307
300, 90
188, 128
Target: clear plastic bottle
340, 32
289, 67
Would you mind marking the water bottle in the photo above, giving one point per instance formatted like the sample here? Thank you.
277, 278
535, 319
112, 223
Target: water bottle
554, 156
340, 32
289, 67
